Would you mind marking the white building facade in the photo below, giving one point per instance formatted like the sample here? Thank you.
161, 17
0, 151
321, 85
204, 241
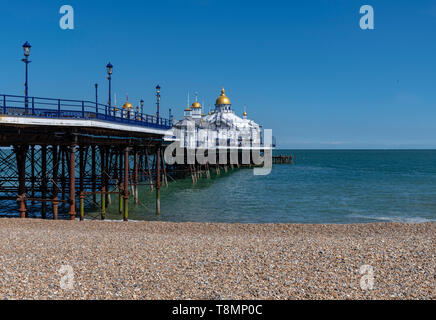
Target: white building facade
220, 128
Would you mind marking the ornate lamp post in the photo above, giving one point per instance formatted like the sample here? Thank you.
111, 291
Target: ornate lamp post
26, 47
157, 102
109, 68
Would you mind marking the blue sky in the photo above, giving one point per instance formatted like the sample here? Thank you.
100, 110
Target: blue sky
303, 68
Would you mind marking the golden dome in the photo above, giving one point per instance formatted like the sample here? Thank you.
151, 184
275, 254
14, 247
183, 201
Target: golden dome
222, 99
245, 114
127, 105
187, 109
202, 114
196, 105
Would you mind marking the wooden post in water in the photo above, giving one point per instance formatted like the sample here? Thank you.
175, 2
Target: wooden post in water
149, 170
135, 176
55, 190
164, 169
21, 153
120, 184
82, 205
81, 182
93, 175
44, 181
158, 180
32, 170
107, 176
126, 184
72, 182
103, 184
63, 173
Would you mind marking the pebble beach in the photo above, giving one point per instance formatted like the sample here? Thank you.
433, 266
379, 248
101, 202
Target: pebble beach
162, 260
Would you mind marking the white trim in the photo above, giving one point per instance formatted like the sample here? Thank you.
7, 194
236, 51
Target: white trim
78, 123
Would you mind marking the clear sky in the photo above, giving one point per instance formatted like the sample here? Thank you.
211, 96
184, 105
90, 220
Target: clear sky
304, 68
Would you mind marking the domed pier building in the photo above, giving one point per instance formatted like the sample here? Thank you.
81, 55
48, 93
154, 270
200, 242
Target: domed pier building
221, 127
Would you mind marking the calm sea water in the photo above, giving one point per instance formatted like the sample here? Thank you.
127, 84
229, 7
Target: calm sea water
322, 187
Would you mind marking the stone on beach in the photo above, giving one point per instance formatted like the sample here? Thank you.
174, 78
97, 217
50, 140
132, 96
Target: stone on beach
157, 260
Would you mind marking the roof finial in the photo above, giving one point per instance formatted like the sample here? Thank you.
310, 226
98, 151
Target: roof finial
188, 101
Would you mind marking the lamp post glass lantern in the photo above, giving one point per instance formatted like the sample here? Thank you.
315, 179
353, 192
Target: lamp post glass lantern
26, 47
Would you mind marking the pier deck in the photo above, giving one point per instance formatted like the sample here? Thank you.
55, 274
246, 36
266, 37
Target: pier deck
59, 151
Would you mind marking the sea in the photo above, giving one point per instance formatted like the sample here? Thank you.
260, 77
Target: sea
321, 187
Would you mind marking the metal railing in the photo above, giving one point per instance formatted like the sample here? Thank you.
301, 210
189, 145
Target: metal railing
76, 109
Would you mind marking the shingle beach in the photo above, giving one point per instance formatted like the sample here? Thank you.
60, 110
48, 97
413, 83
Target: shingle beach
157, 260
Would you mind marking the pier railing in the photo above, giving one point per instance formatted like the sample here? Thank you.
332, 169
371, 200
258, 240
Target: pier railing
77, 109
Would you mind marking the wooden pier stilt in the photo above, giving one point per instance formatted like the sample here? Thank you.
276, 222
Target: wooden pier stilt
107, 176
81, 182
164, 169
103, 184
150, 177
72, 177
158, 180
93, 175
21, 153
135, 177
44, 181
63, 172
32, 170
126, 184
82, 206
120, 184
55, 187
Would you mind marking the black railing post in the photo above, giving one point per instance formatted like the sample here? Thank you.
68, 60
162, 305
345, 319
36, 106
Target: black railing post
83, 109
4, 104
33, 105
96, 100
59, 108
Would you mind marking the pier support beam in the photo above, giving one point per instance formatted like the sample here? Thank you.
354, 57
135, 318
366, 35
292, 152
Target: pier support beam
32, 171
44, 181
21, 153
135, 177
55, 190
120, 183
81, 182
72, 182
103, 183
158, 180
63, 172
126, 184
93, 174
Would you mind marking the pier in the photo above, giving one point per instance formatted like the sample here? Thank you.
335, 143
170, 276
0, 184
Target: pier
283, 159
56, 151
61, 156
